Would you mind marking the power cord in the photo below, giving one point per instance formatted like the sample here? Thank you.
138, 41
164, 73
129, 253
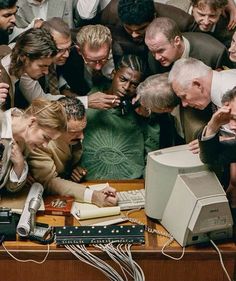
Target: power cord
29, 260
157, 232
221, 260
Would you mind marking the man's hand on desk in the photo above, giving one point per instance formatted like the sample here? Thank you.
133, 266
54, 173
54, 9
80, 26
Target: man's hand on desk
106, 197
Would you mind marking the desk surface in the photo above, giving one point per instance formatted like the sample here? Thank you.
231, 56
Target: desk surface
199, 262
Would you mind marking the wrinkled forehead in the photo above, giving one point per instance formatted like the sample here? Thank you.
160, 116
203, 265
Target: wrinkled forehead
76, 125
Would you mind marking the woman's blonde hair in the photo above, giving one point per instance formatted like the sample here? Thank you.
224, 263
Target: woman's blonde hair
49, 114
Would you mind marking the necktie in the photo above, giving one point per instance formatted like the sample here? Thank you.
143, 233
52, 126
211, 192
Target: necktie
53, 81
97, 77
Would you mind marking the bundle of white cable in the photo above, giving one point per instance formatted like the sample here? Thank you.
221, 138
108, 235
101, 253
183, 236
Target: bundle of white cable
121, 256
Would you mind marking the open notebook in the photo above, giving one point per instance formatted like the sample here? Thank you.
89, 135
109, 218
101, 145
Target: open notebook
90, 214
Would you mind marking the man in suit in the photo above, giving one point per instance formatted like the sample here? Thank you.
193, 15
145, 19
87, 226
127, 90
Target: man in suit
216, 152
199, 86
128, 20
56, 166
212, 150
91, 64
210, 18
7, 19
167, 44
29, 10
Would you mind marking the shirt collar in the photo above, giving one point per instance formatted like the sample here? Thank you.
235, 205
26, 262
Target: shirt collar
215, 88
6, 130
6, 64
186, 48
36, 3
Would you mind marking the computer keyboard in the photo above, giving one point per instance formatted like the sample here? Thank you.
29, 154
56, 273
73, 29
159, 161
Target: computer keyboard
131, 199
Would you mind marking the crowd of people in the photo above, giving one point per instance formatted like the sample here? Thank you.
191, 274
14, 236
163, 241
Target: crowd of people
88, 88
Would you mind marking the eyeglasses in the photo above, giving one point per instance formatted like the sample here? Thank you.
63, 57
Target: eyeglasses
62, 51
94, 62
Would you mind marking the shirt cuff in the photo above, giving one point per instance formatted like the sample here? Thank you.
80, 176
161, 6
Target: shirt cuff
14, 178
203, 138
88, 193
84, 100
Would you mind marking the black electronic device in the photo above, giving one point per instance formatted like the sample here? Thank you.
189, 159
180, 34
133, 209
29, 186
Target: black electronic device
126, 105
8, 223
42, 233
125, 234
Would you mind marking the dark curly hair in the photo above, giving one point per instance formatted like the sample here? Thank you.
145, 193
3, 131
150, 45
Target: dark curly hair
35, 43
136, 11
74, 108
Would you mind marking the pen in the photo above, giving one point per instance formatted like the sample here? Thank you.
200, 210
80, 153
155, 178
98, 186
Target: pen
110, 193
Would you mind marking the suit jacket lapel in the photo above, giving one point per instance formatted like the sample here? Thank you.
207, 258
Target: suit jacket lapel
5, 162
6, 79
28, 11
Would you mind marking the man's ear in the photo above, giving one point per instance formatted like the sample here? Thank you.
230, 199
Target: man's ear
78, 49
177, 41
113, 73
197, 83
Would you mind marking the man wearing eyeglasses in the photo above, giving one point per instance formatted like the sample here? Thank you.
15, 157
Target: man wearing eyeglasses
32, 89
90, 64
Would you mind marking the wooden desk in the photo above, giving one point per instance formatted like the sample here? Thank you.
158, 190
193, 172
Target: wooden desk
198, 264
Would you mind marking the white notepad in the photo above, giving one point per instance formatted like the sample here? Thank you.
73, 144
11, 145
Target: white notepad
90, 214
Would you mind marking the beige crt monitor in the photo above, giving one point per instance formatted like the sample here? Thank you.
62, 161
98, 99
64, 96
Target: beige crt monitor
197, 209
163, 167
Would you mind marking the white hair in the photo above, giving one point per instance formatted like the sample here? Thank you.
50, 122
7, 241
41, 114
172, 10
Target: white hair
155, 91
186, 69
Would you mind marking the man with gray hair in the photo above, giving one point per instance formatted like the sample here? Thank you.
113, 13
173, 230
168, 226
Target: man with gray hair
197, 85
91, 64
156, 95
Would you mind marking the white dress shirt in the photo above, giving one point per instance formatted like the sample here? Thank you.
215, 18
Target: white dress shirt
6, 133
